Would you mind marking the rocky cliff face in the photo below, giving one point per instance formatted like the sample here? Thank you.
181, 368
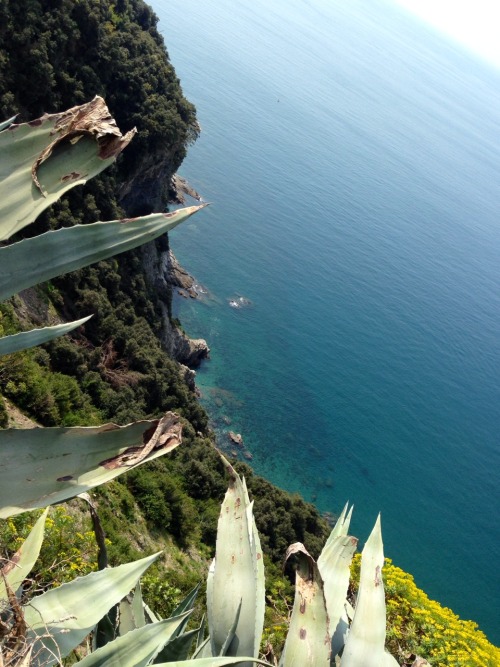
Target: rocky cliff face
152, 187
160, 272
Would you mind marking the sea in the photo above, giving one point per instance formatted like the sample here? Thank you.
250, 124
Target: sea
349, 270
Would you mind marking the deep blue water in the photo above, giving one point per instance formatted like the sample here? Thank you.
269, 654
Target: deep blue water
353, 162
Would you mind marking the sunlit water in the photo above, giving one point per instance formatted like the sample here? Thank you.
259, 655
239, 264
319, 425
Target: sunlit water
353, 163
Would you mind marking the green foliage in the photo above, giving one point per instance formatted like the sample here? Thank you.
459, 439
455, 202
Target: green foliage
68, 549
49, 397
8, 320
279, 602
164, 502
4, 417
164, 588
121, 364
56, 55
418, 625
123, 522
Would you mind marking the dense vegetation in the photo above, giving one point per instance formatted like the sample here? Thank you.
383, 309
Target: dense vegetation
59, 53
54, 55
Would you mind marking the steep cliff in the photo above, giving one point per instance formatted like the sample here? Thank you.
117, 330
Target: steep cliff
55, 55
161, 271
124, 364
58, 54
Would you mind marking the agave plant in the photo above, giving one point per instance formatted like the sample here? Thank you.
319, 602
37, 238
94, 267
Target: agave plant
324, 629
39, 162
47, 628
320, 631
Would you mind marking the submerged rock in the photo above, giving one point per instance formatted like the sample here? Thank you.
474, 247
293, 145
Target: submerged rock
239, 302
236, 438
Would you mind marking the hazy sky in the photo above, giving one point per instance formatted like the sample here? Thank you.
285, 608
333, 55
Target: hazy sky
473, 23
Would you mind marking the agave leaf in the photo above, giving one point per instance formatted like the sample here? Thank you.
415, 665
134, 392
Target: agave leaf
186, 605
333, 564
231, 632
106, 629
204, 649
258, 561
341, 528
59, 619
136, 649
151, 616
43, 159
201, 633
235, 570
178, 648
58, 463
27, 339
339, 635
188, 602
138, 607
100, 535
210, 595
20, 565
43, 257
308, 640
128, 616
339, 524
127, 621
6, 123
366, 640
214, 662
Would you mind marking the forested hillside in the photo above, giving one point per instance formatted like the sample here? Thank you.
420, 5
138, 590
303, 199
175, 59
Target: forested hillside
57, 54
54, 55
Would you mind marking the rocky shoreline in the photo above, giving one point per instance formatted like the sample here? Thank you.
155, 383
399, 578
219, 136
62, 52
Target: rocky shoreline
164, 273
178, 277
180, 189
237, 439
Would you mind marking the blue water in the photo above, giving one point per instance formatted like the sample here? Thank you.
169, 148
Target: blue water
352, 157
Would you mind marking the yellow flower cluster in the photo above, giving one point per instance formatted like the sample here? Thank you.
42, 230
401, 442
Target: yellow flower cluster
416, 624
68, 549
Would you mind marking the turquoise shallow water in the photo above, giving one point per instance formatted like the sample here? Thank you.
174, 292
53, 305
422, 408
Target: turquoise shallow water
353, 163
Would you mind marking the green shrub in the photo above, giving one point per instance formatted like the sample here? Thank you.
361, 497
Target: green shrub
418, 625
4, 417
50, 398
69, 548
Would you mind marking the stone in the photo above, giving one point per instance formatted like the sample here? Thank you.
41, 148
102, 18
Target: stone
236, 438
156, 261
